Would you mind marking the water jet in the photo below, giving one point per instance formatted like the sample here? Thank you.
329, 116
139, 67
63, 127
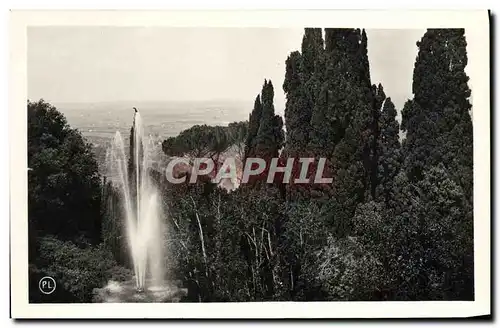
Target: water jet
144, 221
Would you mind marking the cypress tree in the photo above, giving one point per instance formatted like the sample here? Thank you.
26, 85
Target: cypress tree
302, 85
388, 152
437, 121
270, 135
253, 127
311, 76
363, 60
333, 105
265, 133
438, 162
312, 49
352, 138
297, 111
377, 98
303, 81
345, 94
457, 122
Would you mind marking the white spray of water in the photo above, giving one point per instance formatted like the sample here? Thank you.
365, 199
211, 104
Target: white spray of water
142, 206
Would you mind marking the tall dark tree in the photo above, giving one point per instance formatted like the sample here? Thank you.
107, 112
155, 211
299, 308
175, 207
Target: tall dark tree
270, 135
297, 109
344, 128
377, 98
364, 70
345, 93
312, 49
388, 153
328, 116
311, 78
437, 121
253, 127
303, 80
457, 122
438, 145
64, 185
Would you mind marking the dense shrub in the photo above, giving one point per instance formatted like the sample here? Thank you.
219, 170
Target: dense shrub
76, 270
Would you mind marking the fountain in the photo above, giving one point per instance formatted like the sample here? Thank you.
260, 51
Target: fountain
144, 221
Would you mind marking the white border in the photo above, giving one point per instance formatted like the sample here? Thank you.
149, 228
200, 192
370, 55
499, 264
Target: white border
475, 22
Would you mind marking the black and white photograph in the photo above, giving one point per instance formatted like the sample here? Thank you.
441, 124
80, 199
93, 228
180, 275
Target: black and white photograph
297, 163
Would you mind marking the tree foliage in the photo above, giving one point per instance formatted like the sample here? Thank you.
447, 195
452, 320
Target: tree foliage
395, 224
207, 141
77, 270
63, 182
64, 210
266, 135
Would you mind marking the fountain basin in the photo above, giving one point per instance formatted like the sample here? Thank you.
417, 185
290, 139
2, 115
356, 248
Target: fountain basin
127, 292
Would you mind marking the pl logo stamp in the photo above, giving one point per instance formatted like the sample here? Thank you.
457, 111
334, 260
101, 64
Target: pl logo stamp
47, 285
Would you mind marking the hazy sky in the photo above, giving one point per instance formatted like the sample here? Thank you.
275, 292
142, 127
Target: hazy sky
80, 64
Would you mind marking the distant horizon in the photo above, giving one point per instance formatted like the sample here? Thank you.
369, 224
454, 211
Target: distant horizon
83, 65
147, 105
225, 100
